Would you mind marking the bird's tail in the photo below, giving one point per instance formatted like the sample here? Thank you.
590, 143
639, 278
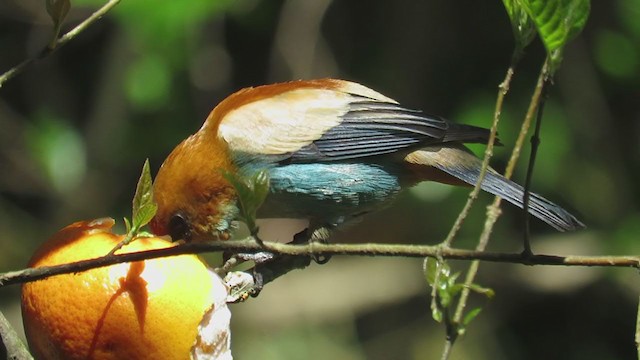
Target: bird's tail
459, 163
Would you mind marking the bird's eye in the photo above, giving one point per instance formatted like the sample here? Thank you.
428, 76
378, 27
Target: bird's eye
179, 228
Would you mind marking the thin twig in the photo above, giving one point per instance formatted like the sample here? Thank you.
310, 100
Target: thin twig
372, 249
51, 48
503, 89
526, 123
446, 351
535, 142
488, 153
493, 211
637, 337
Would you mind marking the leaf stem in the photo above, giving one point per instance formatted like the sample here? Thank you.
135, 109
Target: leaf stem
126, 241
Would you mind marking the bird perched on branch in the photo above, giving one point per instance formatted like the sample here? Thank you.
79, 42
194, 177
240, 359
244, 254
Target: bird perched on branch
334, 150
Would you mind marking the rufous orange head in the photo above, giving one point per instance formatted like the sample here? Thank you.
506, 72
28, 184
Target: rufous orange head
195, 201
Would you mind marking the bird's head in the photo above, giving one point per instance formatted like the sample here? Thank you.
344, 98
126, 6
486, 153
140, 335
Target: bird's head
195, 201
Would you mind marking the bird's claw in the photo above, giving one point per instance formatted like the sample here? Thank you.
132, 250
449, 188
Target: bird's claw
258, 258
319, 235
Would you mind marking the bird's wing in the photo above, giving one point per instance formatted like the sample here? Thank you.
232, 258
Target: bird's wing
330, 120
370, 128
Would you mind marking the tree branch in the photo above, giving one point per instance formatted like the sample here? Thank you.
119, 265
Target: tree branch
10, 344
9, 74
249, 245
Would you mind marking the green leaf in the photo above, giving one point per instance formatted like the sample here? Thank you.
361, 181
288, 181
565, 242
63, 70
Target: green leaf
455, 289
445, 298
430, 270
144, 208
436, 314
57, 10
433, 269
522, 25
252, 192
557, 21
488, 292
127, 225
453, 278
260, 187
468, 318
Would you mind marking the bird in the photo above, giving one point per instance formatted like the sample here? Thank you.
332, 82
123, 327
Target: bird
334, 150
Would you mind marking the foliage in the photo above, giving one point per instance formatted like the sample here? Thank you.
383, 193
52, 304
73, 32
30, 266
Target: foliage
144, 208
447, 290
251, 191
556, 22
57, 10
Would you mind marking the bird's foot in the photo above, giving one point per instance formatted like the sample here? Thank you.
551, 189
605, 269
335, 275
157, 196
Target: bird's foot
319, 235
258, 258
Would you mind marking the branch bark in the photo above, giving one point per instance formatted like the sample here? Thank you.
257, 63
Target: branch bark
249, 245
10, 345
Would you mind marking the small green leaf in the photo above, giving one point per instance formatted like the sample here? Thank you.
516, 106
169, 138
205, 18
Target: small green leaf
445, 298
430, 267
522, 26
436, 314
144, 234
488, 292
468, 318
260, 187
57, 10
453, 278
144, 208
557, 21
252, 192
455, 289
127, 225
433, 269
577, 15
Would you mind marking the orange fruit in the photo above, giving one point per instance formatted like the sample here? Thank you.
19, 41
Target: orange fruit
142, 310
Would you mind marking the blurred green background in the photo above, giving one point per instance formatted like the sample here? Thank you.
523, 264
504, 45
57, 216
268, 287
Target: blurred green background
76, 127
